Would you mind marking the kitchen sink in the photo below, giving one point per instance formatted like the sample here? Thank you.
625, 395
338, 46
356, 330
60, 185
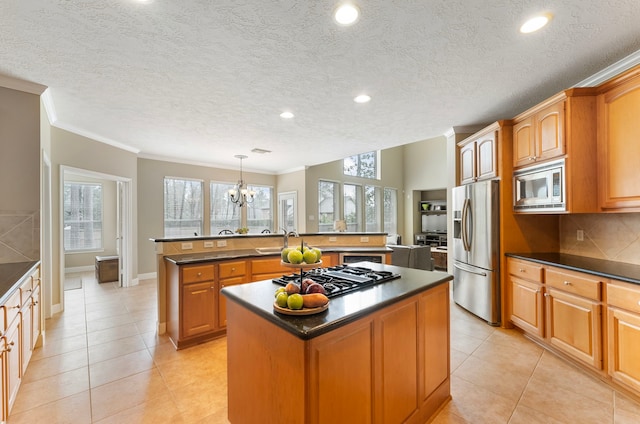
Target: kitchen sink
269, 250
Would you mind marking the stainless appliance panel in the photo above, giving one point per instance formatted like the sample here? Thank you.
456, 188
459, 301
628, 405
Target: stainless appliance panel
540, 188
476, 248
477, 290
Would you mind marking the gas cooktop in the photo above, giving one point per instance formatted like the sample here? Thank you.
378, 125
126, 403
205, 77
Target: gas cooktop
340, 279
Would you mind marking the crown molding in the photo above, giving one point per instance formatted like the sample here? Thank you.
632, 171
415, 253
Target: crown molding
21, 85
94, 136
611, 71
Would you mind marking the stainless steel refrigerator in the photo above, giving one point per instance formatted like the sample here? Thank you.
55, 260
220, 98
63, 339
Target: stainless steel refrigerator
476, 279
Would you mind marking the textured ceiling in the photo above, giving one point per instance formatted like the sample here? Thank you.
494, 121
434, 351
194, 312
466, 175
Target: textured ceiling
201, 81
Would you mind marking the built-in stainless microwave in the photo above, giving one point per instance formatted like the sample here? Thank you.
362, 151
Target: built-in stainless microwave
540, 188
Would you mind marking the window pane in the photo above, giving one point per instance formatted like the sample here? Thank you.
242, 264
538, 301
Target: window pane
391, 211
260, 211
372, 209
328, 207
82, 216
353, 207
225, 215
364, 165
182, 207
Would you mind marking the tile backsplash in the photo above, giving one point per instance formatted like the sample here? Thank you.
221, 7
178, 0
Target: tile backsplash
19, 236
615, 237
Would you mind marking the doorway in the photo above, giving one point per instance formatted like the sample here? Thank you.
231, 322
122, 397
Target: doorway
288, 210
122, 235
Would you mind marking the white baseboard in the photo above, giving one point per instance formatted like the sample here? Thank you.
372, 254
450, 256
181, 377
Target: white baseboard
79, 269
162, 327
148, 276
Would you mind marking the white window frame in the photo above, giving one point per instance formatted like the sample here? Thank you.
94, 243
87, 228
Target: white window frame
183, 231
257, 188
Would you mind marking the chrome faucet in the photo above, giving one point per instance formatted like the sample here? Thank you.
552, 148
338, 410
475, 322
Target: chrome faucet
286, 236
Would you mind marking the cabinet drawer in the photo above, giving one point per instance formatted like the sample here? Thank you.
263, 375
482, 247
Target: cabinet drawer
624, 295
194, 274
11, 308
523, 269
267, 266
232, 269
574, 282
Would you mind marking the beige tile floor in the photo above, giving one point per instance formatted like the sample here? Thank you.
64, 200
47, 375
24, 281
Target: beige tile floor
102, 362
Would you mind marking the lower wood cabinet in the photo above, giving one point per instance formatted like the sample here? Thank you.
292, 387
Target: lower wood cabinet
198, 309
562, 308
21, 330
623, 322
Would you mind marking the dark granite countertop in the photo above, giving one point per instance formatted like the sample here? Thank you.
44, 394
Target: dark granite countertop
192, 258
11, 276
266, 235
259, 297
608, 269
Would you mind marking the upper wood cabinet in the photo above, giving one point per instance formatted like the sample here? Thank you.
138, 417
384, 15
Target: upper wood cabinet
618, 143
540, 136
563, 126
478, 155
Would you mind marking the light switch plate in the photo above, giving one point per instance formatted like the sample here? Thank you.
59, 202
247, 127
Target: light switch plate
187, 246
208, 244
580, 235
221, 243
364, 239
333, 239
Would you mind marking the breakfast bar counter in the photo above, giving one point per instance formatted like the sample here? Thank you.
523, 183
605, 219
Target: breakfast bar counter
377, 355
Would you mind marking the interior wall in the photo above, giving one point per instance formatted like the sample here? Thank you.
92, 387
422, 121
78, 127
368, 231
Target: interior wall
19, 176
151, 174
426, 167
109, 223
391, 176
72, 150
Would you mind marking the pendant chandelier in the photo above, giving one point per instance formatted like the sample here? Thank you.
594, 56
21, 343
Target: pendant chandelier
240, 195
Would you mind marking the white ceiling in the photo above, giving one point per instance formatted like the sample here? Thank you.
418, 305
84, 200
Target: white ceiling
203, 80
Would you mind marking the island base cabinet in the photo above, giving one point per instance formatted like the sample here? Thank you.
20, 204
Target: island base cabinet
624, 345
391, 366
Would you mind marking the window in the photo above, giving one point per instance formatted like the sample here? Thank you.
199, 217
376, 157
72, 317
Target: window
353, 207
225, 215
364, 165
372, 209
328, 205
182, 207
390, 211
82, 216
260, 211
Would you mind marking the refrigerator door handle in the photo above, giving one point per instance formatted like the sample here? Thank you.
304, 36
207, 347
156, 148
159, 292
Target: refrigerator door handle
465, 227
473, 271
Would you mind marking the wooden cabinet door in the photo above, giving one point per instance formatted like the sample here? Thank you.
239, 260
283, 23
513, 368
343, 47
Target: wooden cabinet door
36, 317
549, 135
434, 329
624, 347
523, 145
27, 332
198, 308
618, 147
486, 157
467, 163
399, 397
527, 305
13, 367
222, 300
341, 375
574, 326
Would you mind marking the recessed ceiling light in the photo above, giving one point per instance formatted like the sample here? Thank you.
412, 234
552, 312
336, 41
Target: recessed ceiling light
286, 115
535, 23
363, 98
346, 14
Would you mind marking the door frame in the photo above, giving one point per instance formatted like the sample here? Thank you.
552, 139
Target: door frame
124, 212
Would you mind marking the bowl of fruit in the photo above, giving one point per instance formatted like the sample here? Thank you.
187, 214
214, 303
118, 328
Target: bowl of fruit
305, 299
301, 257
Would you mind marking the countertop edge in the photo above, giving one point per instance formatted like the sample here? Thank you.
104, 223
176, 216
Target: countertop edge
12, 284
282, 321
623, 271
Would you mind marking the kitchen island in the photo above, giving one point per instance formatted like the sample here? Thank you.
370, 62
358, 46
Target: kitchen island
377, 355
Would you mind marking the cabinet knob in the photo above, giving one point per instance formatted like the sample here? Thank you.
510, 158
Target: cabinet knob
566, 283
538, 291
10, 346
521, 270
16, 307
199, 274
546, 295
233, 269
